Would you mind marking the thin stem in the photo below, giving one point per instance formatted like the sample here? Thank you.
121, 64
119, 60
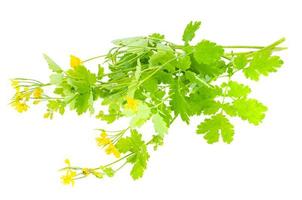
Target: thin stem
116, 161
73, 168
93, 58
121, 166
252, 47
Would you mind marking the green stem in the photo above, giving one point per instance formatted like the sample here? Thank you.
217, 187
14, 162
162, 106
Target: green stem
120, 167
93, 58
116, 161
253, 47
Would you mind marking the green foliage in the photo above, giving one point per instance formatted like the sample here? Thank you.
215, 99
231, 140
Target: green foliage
250, 109
189, 32
151, 80
262, 63
236, 90
141, 116
52, 65
82, 80
207, 52
216, 126
179, 103
159, 124
138, 153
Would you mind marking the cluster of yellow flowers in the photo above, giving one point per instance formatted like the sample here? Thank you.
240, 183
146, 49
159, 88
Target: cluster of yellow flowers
22, 97
68, 178
103, 140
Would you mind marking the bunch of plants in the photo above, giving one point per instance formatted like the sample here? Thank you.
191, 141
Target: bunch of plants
149, 79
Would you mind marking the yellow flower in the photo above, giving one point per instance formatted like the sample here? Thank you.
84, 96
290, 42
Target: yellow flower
111, 149
19, 105
67, 162
131, 104
68, 178
74, 61
103, 139
116, 153
37, 93
15, 84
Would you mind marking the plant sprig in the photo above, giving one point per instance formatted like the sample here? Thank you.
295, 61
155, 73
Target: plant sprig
150, 79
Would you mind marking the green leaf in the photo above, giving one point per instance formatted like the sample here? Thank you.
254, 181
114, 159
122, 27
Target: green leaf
189, 32
100, 72
240, 61
109, 118
262, 63
209, 71
151, 85
156, 141
179, 103
236, 90
52, 65
229, 109
250, 109
56, 78
138, 148
184, 62
159, 124
81, 78
97, 174
217, 125
141, 116
207, 52
83, 102
55, 106
131, 41
164, 58
194, 78
132, 143
83, 82
137, 170
138, 70
157, 36
108, 171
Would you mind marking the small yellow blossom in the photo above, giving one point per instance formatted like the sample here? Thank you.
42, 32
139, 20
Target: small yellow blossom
67, 162
37, 93
15, 84
131, 104
20, 106
68, 178
74, 61
116, 153
111, 149
103, 139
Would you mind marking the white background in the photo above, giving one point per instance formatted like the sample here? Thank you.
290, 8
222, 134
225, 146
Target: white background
263, 162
